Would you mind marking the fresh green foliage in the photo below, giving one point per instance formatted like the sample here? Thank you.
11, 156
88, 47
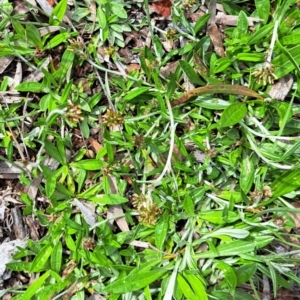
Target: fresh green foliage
145, 199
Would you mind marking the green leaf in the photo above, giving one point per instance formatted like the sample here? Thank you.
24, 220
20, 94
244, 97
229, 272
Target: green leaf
236, 248
201, 22
58, 13
188, 205
34, 287
40, 260
241, 29
248, 167
284, 65
101, 17
57, 40
55, 153
229, 274
245, 272
30, 87
118, 10
84, 127
65, 65
285, 183
233, 114
190, 73
51, 180
221, 64
197, 284
132, 282
261, 33
161, 230
19, 29
263, 8
108, 199
291, 39
34, 36
135, 92
217, 217
56, 257
88, 164
185, 288
19, 266
253, 57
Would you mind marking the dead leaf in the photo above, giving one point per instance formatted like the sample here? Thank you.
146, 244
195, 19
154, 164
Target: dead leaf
5, 62
133, 67
97, 146
162, 7
87, 212
280, 89
295, 216
217, 39
217, 89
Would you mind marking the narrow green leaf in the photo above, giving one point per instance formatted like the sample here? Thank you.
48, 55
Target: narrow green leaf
161, 230
30, 87
185, 288
57, 40
65, 65
88, 164
201, 22
34, 36
248, 166
245, 272
19, 29
190, 73
253, 57
284, 65
285, 183
41, 259
135, 92
101, 17
222, 64
263, 8
241, 28
197, 285
70, 243
54, 152
133, 282
35, 286
188, 205
233, 114
56, 257
108, 199
118, 10
261, 33
229, 274
217, 217
236, 248
58, 12
19, 266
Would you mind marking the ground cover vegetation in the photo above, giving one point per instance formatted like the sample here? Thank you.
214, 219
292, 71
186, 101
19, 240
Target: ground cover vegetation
149, 150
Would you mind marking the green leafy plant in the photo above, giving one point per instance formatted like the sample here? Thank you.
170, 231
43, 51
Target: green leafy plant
174, 185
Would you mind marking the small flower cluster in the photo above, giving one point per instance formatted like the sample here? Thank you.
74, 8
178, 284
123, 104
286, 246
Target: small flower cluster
265, 74
186, 4
147, 210
113, 118
73, 114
